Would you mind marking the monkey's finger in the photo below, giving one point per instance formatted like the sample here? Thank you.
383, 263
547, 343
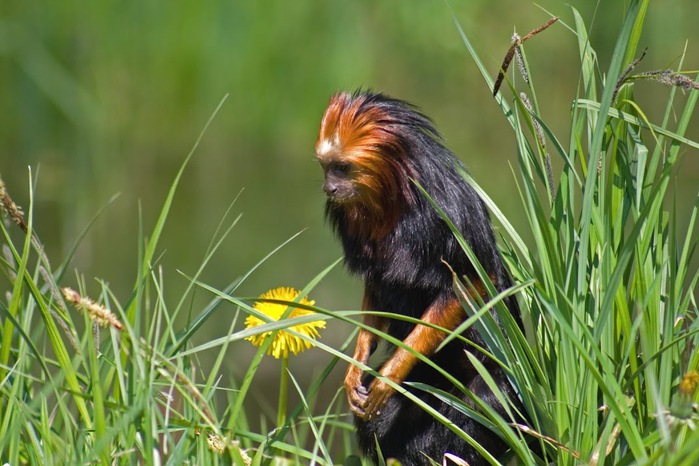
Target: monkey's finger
357, 406
357, 399
374, 404
378, 396
359, 395
358, 411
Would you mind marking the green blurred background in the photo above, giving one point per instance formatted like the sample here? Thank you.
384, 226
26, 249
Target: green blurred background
105, 97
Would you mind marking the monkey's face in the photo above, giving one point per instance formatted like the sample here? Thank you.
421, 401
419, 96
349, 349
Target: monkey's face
339, 172
363, 157
338, 184
355, 177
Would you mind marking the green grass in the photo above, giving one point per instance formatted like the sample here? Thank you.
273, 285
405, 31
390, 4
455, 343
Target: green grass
607, 285
610, 312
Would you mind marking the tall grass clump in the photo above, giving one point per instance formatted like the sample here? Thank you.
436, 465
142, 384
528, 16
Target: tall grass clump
607, 363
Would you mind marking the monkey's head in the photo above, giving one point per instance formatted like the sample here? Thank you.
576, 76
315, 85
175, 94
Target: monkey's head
363, 147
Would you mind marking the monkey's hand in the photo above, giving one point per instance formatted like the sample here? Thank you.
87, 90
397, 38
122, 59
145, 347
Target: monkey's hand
365, 402
379, 393
356, 392
422, 339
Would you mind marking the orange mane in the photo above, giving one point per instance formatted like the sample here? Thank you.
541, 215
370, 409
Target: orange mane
360, 131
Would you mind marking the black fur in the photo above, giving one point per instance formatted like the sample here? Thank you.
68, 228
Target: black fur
404, 273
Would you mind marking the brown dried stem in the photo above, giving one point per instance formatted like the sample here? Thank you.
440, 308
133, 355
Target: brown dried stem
515, 49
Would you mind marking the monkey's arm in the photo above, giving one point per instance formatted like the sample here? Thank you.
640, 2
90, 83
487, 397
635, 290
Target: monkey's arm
424, 340
366, 345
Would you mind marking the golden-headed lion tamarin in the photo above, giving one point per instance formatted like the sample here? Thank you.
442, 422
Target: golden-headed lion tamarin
374, 150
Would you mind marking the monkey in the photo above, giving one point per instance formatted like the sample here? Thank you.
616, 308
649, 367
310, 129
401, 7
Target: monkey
374, 151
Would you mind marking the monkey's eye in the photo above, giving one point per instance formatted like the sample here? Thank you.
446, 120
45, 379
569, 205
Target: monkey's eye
340, 169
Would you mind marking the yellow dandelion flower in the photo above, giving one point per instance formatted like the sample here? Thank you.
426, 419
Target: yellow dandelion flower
284, 342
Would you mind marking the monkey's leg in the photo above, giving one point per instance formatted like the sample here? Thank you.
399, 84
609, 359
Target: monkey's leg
424, 340
366, 345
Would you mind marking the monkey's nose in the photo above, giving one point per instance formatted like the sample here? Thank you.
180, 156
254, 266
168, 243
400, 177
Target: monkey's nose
330, 189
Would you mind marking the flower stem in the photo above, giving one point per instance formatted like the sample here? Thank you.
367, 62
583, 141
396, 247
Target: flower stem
283, 385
